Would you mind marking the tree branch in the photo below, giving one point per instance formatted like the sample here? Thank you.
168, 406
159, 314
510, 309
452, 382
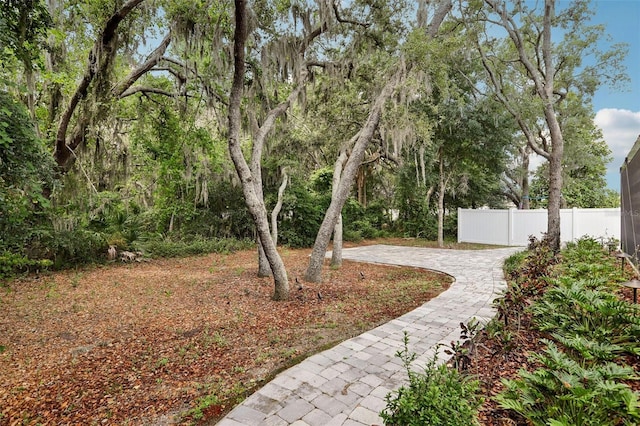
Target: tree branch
97, 61
346, 21
151, 61
143, 89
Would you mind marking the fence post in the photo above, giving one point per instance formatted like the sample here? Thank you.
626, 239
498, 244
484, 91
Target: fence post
459, 223
574, 224
510, 224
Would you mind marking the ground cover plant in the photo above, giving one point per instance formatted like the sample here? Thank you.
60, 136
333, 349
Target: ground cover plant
564, 348
437, 395
181, 338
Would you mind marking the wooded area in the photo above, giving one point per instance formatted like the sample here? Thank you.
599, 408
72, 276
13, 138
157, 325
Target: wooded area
164, 127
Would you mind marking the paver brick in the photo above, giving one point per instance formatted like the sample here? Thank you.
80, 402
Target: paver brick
347, 384
295, 410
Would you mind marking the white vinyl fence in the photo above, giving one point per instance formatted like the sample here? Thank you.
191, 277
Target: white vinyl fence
512, 227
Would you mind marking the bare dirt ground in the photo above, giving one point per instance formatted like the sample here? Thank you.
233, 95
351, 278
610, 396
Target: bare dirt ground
177, 340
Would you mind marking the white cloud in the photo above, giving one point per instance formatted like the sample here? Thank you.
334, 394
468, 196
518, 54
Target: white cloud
620, 128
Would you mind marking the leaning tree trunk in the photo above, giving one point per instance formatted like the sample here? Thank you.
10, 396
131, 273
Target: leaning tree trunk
336, 254
276, 210
255, 205
264, 268
314, 270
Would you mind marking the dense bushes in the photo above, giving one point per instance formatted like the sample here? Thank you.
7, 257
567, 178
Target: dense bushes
195, 246
582, 376
26, 170
579, 375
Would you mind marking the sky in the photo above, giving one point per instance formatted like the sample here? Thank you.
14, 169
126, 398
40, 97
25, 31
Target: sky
618, 112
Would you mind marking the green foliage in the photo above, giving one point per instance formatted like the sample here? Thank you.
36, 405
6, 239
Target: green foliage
23, 26
12, 264
301, 216
579, 380
438, 395
203, 404
563, 392
178, 248
586, 155
67, 248
25, 170
363, 223
592, 322
528, 273
588, 258
514, 263
416, 218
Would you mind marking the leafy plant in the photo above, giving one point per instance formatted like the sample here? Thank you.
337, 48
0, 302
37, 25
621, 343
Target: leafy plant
563, 392
590, 321
540, 261
462, 351
12, 264
176, 248
586, 257
436, 396
511, 303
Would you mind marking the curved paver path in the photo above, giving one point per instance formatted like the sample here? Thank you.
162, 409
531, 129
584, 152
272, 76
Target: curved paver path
347, 384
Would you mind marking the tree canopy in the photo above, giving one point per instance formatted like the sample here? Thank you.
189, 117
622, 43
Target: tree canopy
169, 121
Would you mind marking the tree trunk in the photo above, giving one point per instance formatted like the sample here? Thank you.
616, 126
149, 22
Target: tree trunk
314, 270
264, 268
442, 187
336, 254
542, 74
555, 182
255, 205
276, 210
557, 141
362, 186
526, 200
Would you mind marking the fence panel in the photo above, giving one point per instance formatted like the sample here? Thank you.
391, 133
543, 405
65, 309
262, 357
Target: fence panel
484, 226
513, 227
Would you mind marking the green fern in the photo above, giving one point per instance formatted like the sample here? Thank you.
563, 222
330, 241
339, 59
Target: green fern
566, 393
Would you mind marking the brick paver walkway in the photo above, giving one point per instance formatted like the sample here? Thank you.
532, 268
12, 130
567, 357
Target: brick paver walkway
346, 385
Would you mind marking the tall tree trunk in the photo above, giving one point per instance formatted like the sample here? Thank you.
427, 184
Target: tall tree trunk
555, 182
526, 198
362, 186
336, 254
255, 205
442, 187
314, 270
541, 72
557, 141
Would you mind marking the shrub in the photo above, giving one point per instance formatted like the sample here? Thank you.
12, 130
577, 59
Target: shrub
179, 248
12, 264
437, 396
301, 216
563, 392
593, 323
